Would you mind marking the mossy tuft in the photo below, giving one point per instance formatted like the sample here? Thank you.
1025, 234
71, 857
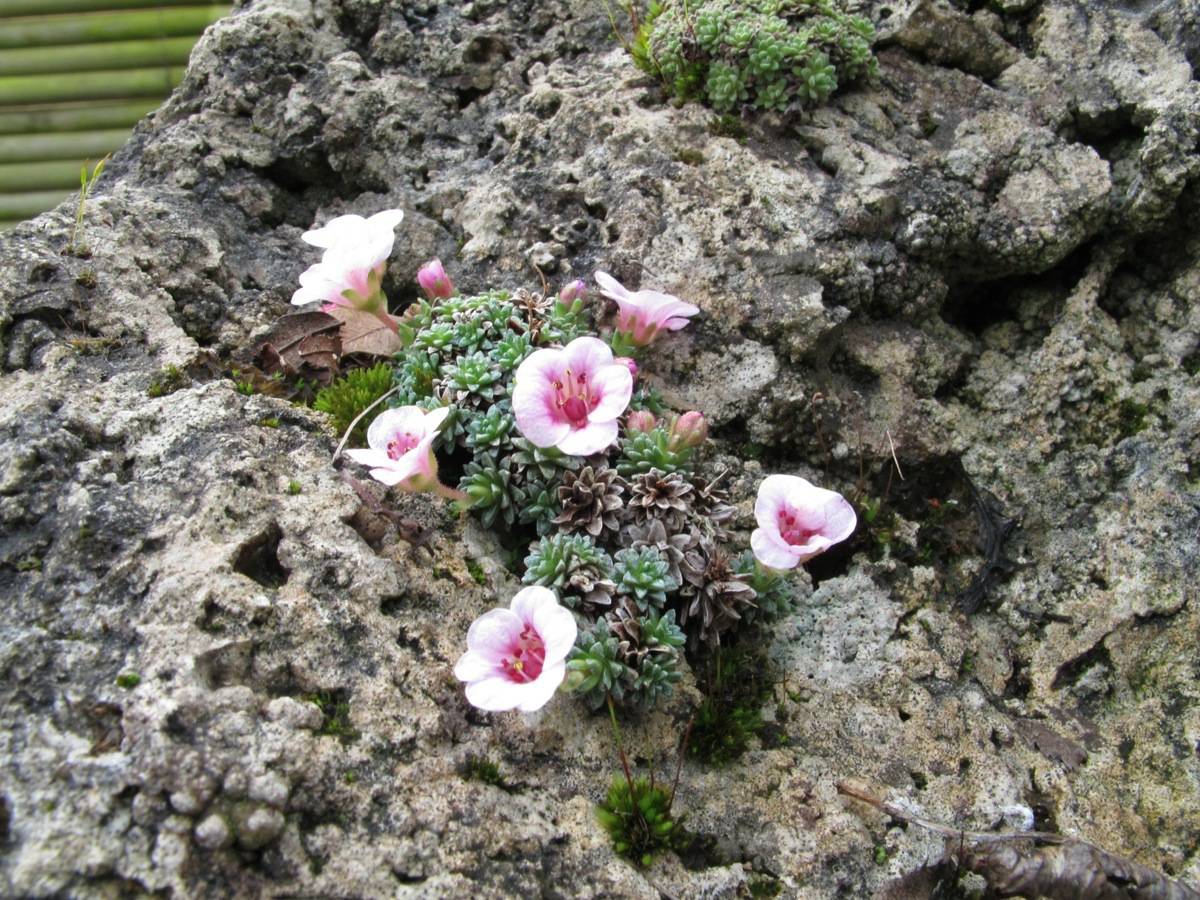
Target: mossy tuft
636, 813
730, 716
347, 397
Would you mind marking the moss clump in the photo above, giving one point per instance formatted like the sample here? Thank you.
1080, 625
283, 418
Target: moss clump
293, 487
127, 681
337, 717
730, 716
347, 397
757, 54
482, 769
168, 381
637, 816
476, 572
1132, 417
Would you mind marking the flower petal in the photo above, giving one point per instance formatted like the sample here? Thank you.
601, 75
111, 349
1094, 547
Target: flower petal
533, 403
370, 457
614, 384
592, 438
472, 666
434, 419
386, 219
773, 494
389, 475
536, 694
400, 419
772, 553
814, 546
494, 694
558, 631
610, 287
335, 230
840, 518
587, 355
494, 633
527, 601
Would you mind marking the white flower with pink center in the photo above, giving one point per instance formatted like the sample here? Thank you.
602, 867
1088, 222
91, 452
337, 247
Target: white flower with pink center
401, 448
350, 272
516, 657
641, 315
797, 520
571, 398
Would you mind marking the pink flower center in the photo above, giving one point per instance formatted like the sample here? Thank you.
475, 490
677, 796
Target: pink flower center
401, 443
791, 530
525, 657
573, 397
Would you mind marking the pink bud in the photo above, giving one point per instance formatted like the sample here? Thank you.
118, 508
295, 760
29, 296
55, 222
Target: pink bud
576, 290
627, 362
640, 420
689, 430
434, 281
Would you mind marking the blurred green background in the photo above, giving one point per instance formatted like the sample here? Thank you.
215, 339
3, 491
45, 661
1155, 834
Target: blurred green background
75, 76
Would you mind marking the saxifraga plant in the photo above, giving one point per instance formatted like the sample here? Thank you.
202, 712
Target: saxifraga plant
759, 54
636, 813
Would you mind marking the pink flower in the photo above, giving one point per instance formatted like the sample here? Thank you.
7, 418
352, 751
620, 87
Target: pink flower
576, 290
401, 448
516, 657
643, 314
689, 430
797, 520
628, 362
640, 420
351, 230
350, 272
434, 281
571, 398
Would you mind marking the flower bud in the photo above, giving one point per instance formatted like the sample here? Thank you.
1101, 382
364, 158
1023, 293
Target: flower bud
627, 362
689, 430
576, 290
640, 420
434, 281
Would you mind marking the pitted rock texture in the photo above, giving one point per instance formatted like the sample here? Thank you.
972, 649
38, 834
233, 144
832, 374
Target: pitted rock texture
981, 268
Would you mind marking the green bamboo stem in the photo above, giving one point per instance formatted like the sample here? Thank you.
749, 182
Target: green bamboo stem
12, 8
54, 31
68, 145
18, 207
19, 178
22, 89
93, 116
90, 57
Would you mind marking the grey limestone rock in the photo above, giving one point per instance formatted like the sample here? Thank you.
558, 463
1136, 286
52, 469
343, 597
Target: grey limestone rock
985, 258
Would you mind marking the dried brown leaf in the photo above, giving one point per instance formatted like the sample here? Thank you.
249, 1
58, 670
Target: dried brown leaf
365, 333
305, 345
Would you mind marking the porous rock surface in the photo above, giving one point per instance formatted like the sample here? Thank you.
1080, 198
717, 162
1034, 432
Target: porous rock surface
216, 685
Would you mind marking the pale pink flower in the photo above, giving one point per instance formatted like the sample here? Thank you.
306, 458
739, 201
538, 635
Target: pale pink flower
640, 420
434, 281
628, 362
797, 520
576, 290
401, 448
643, 314
516, 657
350, 272
689, 430
571, 398
352, 229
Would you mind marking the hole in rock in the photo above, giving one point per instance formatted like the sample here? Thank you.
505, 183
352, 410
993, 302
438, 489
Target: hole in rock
258, 559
